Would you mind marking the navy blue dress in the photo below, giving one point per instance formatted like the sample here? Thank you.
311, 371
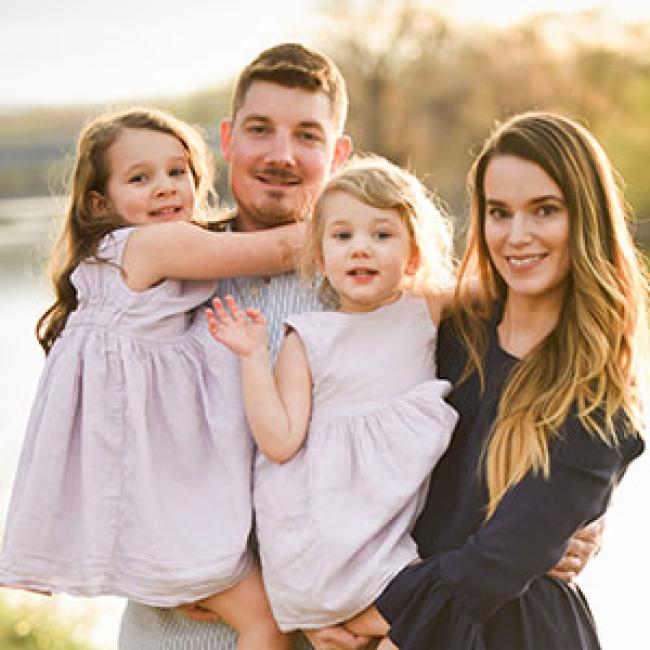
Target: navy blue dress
482, 585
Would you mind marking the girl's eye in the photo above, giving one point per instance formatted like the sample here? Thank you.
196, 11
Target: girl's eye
342, 235
138, 178
383, 234
177, 171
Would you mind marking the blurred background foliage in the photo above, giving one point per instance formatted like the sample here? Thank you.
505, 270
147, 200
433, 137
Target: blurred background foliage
424, 91
27, 627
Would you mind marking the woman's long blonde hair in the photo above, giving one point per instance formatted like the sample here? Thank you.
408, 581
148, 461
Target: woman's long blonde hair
81, 229
377, 182
596, 358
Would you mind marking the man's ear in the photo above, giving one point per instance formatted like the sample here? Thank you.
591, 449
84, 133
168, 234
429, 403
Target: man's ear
342, 150
225, 128
97, 203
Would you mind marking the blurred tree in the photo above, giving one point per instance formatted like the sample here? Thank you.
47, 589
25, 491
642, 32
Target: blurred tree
32, 628
425, 91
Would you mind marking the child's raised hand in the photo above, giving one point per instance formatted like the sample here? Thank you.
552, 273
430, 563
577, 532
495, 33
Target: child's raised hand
243, 332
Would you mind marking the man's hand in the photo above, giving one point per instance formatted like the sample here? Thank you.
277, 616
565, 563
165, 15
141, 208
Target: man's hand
582, 547
337, 637
198, 613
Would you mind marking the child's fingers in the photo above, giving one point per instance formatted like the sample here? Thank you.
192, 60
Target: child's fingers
220, 312
255, 315
213, 325
236, 312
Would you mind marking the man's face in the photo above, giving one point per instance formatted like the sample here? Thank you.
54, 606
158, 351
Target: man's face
281, 148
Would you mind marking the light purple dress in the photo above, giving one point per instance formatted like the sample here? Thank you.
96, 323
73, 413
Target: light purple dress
135, 474
334, 522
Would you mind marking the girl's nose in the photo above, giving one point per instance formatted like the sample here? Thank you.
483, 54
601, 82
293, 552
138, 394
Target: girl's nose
164, 184
361, 246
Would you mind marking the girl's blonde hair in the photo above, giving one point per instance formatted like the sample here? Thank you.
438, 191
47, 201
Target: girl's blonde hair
595, 361
379, 183
81, 229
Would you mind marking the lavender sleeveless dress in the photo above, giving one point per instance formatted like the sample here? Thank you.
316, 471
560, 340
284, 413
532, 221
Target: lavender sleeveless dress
155, 628
334, 522
135, 474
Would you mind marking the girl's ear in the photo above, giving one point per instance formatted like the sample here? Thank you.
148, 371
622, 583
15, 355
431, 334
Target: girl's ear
97, 203
413, 263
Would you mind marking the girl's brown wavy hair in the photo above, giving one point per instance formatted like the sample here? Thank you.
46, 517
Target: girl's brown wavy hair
596, 358
82, 230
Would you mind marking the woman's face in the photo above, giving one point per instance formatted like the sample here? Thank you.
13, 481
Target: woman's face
526, 229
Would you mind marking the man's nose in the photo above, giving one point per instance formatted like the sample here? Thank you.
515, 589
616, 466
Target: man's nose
280, 151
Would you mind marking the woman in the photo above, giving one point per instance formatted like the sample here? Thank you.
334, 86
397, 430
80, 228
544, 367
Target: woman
548, 363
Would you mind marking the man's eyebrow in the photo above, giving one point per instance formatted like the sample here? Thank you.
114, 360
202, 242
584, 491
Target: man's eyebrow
256, 117
311, 124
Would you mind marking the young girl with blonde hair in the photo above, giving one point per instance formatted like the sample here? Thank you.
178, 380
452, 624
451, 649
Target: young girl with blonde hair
354, 419
135, 474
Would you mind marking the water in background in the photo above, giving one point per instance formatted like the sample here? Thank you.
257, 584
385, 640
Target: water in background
615, 582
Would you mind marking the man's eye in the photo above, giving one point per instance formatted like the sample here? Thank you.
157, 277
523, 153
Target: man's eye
257, 129
309, 136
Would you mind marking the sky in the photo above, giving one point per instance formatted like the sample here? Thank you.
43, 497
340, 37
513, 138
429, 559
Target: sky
90, 51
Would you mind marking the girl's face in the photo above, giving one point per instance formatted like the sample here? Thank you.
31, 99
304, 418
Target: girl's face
526, 229
366, 252
149, 179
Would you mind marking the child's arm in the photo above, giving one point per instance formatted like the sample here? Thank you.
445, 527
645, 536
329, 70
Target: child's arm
185, 251
277, 408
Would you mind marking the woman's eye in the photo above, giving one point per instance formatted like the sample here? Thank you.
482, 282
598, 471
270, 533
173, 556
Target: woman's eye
547, 210
497, 213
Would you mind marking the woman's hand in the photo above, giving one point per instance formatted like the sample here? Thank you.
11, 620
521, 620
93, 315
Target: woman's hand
582, 547
337, 637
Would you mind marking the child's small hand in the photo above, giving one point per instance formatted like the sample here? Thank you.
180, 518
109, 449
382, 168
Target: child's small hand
243, 332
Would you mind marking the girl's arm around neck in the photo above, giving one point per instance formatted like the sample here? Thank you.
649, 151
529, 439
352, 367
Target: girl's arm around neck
278, 407
185, 251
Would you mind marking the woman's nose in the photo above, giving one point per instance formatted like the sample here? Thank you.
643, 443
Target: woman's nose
520, 231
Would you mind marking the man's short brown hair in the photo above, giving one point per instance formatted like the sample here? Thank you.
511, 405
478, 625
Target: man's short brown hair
295, 66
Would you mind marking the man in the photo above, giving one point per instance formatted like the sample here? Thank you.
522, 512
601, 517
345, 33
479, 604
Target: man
283, 140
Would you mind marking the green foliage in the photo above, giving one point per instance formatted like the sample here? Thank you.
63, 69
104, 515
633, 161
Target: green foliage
34, 628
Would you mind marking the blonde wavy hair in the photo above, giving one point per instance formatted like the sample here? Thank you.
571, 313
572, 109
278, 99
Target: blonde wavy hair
375, 181
596, 358
81, 229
